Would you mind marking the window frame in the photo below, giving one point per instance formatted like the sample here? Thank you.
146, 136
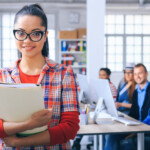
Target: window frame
124, 35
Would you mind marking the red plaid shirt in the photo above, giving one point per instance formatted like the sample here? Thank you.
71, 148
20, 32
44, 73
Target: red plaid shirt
59, 89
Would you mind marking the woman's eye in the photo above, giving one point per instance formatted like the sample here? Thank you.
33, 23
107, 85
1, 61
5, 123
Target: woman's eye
20, 33
36, 34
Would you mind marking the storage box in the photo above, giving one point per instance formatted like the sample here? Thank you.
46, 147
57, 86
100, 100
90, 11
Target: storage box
81, 32
67, 34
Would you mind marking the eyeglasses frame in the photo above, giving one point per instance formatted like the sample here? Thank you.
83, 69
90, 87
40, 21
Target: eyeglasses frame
28, 35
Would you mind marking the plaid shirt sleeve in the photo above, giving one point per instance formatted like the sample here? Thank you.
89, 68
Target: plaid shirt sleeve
69, 101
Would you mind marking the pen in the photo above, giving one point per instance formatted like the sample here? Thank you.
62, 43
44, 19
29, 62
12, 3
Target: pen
87, 110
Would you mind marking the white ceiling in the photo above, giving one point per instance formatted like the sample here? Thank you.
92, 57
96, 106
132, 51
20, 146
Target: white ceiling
81, 1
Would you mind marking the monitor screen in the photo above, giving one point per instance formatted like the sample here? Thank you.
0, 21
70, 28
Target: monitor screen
102, 89
98, 88
87, 92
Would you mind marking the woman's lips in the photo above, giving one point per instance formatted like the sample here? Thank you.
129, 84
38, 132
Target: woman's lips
28, 48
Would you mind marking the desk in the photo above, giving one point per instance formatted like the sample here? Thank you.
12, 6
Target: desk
116, 128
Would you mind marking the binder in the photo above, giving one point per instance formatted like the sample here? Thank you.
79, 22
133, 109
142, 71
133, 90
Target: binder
19, 101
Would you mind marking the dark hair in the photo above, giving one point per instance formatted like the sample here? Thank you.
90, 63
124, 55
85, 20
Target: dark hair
107, 70
35, 10
140, 65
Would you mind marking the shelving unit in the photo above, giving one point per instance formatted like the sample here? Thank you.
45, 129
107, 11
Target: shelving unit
73, 52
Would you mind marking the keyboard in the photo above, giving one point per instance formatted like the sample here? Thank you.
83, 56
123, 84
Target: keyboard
126, 121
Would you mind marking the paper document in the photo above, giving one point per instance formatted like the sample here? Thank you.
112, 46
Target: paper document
19, 101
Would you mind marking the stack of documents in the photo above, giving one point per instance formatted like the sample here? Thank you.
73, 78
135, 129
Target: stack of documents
19, 101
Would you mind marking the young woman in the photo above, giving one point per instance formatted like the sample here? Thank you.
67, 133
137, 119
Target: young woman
104, 73
58, 85
124, 96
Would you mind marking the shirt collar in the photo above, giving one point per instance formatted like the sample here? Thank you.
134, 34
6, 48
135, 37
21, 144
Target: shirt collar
144, 88
49, 64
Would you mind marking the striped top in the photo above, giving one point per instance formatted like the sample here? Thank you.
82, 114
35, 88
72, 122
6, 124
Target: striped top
113, 90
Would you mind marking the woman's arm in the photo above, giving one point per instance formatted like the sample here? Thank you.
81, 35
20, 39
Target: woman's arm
66, 130
126, 105
38, 119
34, 140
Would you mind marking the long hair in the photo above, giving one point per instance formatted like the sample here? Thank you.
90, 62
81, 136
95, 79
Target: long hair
131, 89
35, 10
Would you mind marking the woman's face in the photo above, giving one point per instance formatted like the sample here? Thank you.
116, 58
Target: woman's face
103, 75
128, 75
29, 24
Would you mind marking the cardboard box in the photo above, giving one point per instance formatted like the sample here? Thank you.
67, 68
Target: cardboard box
67, 34
81, 32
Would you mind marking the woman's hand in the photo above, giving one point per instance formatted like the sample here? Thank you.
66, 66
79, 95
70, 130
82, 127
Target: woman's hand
129, 84
40, 118
118, 104
10, 141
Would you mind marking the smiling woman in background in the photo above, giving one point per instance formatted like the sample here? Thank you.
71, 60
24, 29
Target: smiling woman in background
124, 96
58, 84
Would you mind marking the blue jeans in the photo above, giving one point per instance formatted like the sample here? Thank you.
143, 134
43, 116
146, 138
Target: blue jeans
112, 142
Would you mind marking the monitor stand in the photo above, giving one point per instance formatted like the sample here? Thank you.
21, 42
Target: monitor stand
101, 114
82, 97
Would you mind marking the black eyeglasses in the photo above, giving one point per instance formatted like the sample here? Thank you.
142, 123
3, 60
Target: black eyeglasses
35, 36
125, 72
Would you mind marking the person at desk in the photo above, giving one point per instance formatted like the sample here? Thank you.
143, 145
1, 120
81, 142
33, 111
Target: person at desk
141, 96
58, 84
121, 82
140, 105
124, 96
104, 73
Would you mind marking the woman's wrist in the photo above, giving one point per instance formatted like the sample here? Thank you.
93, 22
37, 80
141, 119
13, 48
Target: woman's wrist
120, 104
29, 125
11, 128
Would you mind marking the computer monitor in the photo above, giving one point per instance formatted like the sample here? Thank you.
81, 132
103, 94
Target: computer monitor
87, 94
102, 89
96, 89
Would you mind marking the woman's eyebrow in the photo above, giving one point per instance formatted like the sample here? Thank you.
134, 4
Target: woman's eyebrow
36, 29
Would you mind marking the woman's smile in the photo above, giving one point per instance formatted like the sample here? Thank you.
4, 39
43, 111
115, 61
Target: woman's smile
28, 48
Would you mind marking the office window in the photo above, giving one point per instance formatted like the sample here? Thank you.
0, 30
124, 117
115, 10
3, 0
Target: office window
114, 27
115, 53
8, 47
114, 24
133, 49
146, 52
8, 50
126, 40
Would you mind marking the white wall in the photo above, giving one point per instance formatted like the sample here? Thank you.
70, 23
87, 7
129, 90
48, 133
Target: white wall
63, 18
116, 77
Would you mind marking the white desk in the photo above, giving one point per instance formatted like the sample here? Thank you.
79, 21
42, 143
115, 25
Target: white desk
117, 128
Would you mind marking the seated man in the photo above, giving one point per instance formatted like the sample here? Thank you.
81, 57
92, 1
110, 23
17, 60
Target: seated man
140, 105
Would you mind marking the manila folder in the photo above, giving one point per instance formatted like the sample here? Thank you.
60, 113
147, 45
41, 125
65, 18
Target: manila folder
18, 104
